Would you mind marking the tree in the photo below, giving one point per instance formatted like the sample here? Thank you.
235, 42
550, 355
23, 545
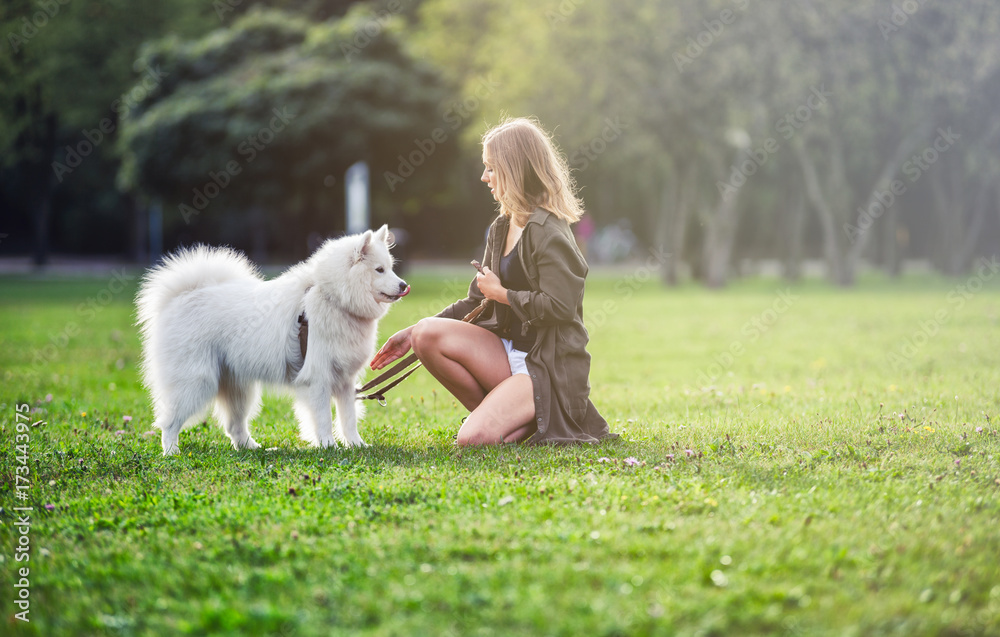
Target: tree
64, 68
265, 114
844, 94
899, 85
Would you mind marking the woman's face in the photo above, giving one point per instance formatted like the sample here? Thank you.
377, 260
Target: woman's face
490, 177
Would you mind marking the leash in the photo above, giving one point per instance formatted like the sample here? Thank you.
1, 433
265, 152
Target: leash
379, 394
400, 366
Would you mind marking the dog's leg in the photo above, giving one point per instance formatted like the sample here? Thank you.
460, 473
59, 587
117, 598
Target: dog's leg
170, 428
315, 419
347, 417
236, 403
176, 406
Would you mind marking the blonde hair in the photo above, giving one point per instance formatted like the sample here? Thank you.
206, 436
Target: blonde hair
531, 172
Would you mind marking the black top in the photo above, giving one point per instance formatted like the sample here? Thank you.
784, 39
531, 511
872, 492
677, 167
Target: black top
512, 277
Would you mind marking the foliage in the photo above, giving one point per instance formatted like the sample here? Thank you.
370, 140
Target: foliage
696, 122
65, 69
814, 485
276, 105
702, 87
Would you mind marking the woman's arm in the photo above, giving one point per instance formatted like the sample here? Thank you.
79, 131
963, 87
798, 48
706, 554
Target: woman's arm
561, 276
395, 348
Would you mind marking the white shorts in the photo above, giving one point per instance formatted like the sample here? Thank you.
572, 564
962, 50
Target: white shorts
515, 357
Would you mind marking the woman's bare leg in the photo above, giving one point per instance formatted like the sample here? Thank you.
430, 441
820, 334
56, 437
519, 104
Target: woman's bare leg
472, 364
468, 360
507, 414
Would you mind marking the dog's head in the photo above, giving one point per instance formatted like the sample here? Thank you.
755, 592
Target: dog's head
373, 263
355, 272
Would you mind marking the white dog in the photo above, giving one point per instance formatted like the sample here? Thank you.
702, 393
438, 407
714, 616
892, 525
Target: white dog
212, 328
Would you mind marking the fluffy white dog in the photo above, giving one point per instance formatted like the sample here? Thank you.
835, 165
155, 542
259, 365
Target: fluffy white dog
213, 328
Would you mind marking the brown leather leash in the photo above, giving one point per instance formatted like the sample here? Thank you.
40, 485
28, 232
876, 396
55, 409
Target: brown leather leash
379, 394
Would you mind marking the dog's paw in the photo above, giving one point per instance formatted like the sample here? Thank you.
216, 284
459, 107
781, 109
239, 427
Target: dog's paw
249, 443
325, 442
171, 450
356, 442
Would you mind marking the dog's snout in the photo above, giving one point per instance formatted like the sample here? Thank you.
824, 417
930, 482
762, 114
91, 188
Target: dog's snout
402, 286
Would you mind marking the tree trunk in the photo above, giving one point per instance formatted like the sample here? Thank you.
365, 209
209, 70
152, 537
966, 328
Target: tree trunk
718, 245
675, 210
664, 233
43, 138
720, 228
880, 191
43, 211
836, 198
795, 214
977, 217
138, 237
996, 204
890, 243
827, 220
949, 208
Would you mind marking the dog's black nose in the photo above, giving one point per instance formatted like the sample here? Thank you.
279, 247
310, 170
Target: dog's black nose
402, 286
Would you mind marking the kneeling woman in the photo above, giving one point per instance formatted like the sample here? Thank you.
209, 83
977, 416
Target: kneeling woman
523, 369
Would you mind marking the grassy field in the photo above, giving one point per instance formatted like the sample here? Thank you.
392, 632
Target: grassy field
792, 461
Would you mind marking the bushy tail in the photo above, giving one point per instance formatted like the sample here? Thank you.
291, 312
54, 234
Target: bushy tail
186, 270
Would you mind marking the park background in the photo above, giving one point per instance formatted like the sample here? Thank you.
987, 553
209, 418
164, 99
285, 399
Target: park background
737, 137
794, 314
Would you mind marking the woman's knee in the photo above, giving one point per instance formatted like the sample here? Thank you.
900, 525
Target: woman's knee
425, 335
470, 434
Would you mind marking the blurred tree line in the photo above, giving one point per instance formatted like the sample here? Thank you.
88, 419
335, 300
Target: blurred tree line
724, 132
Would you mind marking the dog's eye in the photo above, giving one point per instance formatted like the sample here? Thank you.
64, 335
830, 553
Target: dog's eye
380, 270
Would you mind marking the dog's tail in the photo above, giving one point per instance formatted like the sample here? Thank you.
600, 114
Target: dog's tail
186, 270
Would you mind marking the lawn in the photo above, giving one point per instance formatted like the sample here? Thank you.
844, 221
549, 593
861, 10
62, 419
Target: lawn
793, 461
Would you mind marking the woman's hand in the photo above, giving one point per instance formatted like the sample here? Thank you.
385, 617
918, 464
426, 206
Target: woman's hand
489, 285
395, 348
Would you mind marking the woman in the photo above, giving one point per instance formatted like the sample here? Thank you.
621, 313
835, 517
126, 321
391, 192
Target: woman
522, 370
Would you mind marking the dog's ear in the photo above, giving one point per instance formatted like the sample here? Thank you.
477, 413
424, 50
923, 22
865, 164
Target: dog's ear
364, 245
382, 234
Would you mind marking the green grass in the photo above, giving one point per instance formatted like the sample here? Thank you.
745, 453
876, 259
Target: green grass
810, 486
